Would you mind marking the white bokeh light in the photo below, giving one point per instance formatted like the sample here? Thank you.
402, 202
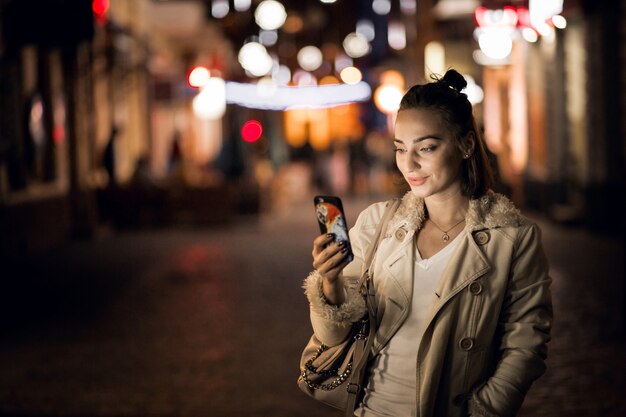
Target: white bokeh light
254, 58
381, 7
342, 61
396, 35
210, 103
559, 21
530, 35
242, 5
408, 7
475, 93
268, 37
495, 44
310, 58
219, 8
366, 28
304, 78
270, 15
282, 75
356, 45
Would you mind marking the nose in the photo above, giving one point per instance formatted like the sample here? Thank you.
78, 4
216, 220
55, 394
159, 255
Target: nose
412, 162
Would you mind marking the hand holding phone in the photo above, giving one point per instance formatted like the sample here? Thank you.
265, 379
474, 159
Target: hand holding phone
332, 220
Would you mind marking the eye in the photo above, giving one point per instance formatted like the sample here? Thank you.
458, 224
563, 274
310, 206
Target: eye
428, 149
400, 150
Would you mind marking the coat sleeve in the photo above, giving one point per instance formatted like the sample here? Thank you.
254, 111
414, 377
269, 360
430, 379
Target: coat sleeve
524, 329
331, 324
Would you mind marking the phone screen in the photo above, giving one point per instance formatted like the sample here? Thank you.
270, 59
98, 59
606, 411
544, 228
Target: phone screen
332, 219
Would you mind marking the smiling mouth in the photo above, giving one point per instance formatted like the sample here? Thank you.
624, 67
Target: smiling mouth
417, 181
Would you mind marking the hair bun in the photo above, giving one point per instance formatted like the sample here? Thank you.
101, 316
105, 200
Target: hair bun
454, 80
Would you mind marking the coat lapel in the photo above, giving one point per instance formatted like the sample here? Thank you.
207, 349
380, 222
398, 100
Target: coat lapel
466, 264
398, 267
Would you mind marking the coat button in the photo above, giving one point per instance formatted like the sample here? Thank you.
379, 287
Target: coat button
475, 288
467, 343
400, 234
481, 238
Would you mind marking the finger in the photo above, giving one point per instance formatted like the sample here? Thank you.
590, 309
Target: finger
320, 242
327, 253
332, 258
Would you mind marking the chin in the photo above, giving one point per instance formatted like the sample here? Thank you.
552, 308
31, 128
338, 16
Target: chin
421, 192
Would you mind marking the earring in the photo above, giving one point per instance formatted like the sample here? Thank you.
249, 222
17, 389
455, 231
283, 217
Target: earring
466, 156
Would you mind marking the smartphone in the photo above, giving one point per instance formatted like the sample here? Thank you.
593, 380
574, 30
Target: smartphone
332, 219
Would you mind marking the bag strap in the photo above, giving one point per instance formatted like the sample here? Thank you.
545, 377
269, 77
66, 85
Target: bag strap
363, 346
390, 209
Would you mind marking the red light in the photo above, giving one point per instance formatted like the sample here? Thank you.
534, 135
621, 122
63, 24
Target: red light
251, 131
479, 15
100, 7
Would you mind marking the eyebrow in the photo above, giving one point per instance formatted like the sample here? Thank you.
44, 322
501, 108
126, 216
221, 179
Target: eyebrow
421, 138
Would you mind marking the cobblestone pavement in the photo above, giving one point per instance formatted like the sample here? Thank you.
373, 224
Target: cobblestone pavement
196, 322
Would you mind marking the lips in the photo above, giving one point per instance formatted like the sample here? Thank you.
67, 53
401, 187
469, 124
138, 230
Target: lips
415, 181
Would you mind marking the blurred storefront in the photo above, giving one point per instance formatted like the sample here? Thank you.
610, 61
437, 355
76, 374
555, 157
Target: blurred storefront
101, 118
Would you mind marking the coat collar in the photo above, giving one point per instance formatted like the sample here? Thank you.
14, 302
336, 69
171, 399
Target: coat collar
489, 211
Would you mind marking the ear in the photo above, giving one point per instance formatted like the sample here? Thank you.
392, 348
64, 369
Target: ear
468, 144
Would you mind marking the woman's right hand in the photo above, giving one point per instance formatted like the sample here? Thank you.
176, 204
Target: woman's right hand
329, 259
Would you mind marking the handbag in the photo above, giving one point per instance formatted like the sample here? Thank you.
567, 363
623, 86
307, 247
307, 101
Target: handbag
335, 375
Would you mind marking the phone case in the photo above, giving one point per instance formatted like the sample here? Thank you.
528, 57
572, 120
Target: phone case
332, 219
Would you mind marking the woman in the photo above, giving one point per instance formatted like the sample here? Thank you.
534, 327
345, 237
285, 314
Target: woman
462, 287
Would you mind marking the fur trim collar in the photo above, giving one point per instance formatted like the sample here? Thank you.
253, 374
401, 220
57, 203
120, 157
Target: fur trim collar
489, 211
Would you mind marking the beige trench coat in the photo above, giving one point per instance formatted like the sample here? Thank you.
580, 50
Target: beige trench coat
484, 342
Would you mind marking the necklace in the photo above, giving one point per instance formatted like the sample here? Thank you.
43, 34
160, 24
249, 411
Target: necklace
446, 236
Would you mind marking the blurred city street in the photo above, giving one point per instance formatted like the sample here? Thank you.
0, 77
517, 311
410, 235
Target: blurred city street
211, 321
159, 158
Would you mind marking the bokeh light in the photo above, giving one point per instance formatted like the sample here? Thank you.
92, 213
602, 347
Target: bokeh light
210, 103
559, 21
242, 5
387, 98
254, 58
251, 131
310, 58
351, 75
198, 76
530, 35
495, 44
356, 45
381, 7
268, 37
396, 35
366, 28
282, 75
219, 9
270, 15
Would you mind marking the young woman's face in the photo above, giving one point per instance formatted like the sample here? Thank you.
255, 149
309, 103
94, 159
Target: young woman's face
427, 153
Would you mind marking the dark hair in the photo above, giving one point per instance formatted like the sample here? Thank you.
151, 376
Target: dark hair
444, 96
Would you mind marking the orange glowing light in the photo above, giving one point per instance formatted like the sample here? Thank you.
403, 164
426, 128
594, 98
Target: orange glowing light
351, 75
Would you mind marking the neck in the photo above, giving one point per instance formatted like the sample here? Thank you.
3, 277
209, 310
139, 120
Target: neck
447, 209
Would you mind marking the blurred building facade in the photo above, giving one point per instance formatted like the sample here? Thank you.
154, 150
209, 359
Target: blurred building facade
105, 103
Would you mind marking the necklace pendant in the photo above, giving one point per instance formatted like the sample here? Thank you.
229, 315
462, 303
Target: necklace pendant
445, 237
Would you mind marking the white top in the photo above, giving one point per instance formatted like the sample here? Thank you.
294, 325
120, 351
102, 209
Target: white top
391, 390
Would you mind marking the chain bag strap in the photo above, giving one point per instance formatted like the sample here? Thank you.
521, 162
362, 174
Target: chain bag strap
346, 362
